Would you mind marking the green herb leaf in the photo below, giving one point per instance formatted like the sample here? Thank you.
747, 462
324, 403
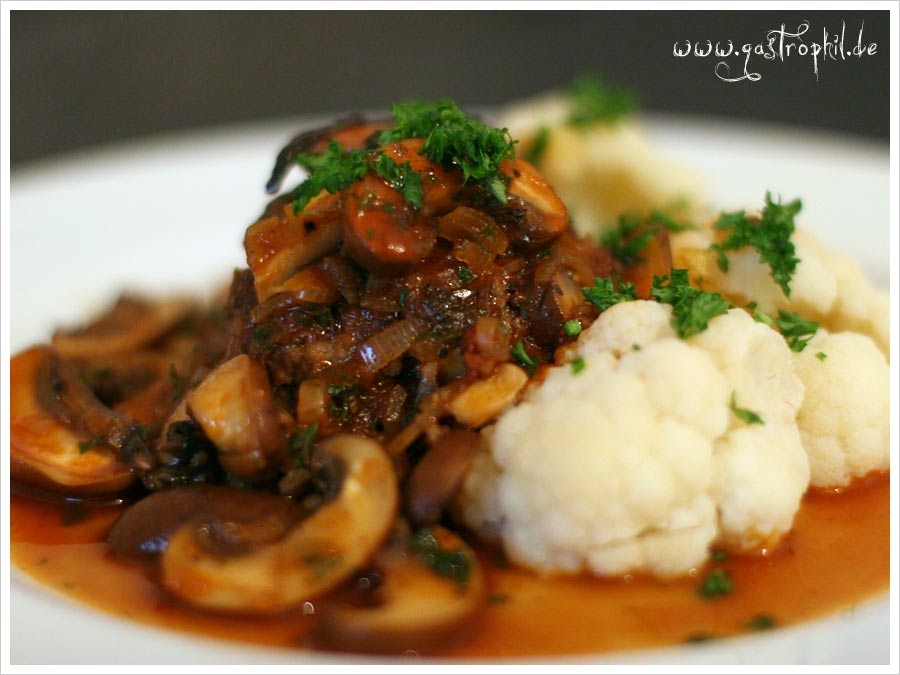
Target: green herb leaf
603, 293
452, 138
821, 356
453, 563
572, 327
577, 365
664, 219
334, 170
538, 146
796, 330
624, 244
770, 235
718, 582
760, 622
743, 414
302, 444
401, 177
692, 308
523, 357
465, 273
343, 400
592, 100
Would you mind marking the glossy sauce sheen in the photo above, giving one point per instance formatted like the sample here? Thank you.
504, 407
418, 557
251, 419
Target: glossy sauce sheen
836, 555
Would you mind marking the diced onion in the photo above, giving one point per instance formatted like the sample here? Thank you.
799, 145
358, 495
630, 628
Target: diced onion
390, 343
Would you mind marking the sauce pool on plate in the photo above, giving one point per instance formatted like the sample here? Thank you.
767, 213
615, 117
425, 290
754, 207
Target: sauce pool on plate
837, 554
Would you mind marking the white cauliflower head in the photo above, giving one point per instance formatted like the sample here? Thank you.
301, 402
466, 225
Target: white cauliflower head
760, 470
845, 417
632, 463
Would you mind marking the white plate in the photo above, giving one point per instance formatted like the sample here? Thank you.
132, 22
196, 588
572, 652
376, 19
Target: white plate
169, 214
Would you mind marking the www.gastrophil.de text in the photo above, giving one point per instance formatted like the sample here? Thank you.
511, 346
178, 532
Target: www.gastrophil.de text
778, 45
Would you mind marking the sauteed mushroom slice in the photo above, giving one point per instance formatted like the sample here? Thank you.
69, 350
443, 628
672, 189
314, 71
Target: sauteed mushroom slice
435, 480
431, 592
47, 453
281, 242
235, 407
132, 323
313, 557
143, 531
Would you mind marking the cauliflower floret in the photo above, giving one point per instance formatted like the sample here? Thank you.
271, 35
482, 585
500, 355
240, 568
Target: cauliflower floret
603, 170
760, 471
845, 417
813, 287
634, 462
826, 287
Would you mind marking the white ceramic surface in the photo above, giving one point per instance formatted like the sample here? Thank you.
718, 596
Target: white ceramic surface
169, 214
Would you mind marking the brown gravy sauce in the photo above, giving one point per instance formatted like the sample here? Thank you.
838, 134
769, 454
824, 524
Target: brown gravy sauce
838, 554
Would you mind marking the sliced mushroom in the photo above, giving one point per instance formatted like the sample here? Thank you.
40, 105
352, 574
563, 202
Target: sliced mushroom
540, 215
46, 452
235, 408
484, 400
312, 558
143, 531
435, 480
281, 242
131, 324
428, 596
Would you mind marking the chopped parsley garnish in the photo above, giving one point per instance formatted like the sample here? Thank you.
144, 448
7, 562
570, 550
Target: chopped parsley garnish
538, 147
337, 169
453, 563
577, 365
302, 444
452, 138
821, 356
603, 293
632, 234
696, 638
334, 170
260, 334
401, 177
86, 446
770, 235
743, 414
343, 400
761, 622
718, 582
523, 357
719, 555
592, 100
572, 327
179, 382
692, 308
625, 243
465, 273
403, 300
672, 225
796, 330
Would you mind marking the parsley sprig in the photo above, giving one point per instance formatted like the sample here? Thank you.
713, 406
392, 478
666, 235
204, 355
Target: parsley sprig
604, 293
632, 234
796, 330
452, 138
337, 169
746, 415
593, 100
692, 308
770, 235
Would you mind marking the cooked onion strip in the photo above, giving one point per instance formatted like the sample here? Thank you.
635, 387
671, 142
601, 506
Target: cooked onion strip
389, 344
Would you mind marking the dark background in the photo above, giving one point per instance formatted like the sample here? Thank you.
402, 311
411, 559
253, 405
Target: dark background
85, 78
